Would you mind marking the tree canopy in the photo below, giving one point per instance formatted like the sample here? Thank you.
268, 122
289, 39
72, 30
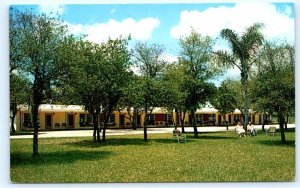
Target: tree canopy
195, 54
273, 86
242, 55
35, 53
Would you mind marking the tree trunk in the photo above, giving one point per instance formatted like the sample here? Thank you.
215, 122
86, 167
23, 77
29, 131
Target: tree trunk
13, 130
194, 124
145, 122
246, 110
135, 116
281, 124
182, 121
14, 110
263, 124
104, 127
224, 117
286, 122
177, 118
145, 127
96, 133
244, 75
103, 132
34, 115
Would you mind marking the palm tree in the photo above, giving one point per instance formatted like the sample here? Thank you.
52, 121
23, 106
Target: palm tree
242, 55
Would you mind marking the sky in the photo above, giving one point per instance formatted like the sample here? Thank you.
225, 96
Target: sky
164, 24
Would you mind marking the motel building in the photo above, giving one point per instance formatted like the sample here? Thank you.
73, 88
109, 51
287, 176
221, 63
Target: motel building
57, 117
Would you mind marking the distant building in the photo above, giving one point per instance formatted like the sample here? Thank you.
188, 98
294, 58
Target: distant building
55, 117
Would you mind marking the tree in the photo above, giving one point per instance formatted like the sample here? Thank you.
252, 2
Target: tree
224, 100
85, 81
99, 77
131, 100
274, 82
115, 75
242, 55
195, 53
149, 60
239, 96
37, 43
19, 95
175, 77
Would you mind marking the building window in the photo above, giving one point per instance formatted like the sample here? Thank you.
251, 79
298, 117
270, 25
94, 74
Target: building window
199, 118
168, 117
27, 120
237, 117
211, 117
89, 118
111, 118
85, 120
151, 118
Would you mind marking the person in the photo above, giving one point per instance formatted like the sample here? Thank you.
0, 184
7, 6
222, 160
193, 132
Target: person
240, 130
251, 129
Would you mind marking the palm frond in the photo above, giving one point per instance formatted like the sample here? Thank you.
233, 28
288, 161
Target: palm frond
224, 58
234, 41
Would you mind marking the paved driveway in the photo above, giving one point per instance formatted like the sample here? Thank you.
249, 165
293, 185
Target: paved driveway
84, 133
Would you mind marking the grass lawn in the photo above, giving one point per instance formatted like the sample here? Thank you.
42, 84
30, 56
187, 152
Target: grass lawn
215, 157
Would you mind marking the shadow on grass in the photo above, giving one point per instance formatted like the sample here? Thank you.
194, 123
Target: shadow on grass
61, 157
211, 136
108, 142
122, 142
288, 143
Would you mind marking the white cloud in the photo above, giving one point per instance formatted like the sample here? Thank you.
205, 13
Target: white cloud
169, 58
211, 21
233, 73
52, 8
99, 32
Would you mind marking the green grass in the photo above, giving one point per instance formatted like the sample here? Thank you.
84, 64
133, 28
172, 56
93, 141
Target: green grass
216, 157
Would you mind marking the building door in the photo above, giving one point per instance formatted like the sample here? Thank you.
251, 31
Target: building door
229, 119
48, 121
122, 122
219, 120
71, 120
138, 120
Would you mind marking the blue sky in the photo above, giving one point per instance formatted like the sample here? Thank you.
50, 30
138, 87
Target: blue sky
165, 23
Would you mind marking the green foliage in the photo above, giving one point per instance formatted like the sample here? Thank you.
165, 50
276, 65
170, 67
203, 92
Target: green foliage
220, 157
243, 48
19, 90
175, 80
100, 75
35, 53
35, 50
19, 95
195, 54
236, 87
273, 85
225, 98
243, 55
148, 59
